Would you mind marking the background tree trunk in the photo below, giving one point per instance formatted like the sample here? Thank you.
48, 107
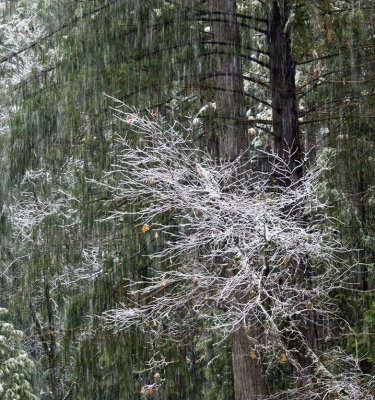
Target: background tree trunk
231, 140
231, 135
283, 86
249, 380
288, 146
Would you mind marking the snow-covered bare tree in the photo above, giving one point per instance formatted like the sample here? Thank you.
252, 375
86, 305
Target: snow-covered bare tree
44, 219
234, 242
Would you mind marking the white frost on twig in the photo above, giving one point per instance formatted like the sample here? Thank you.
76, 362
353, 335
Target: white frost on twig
241, 248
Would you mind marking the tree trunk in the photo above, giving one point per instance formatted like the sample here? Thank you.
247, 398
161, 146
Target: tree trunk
249, 381
283, 87
288, 146
231, 135
231, 139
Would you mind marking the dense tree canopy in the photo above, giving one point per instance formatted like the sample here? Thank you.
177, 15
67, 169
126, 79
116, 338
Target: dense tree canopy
187, 197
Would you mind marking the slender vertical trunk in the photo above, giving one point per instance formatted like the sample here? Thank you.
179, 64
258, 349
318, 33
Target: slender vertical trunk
283, 86
49, 354
231, 140
52, 350
360, 184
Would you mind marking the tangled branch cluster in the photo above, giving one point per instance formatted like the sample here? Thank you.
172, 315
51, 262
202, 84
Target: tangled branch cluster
242, 248
237, 248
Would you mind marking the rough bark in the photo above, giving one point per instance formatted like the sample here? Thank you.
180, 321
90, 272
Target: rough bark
230, 140
288, 146
283, 87
231, 135
361, 185
249, 380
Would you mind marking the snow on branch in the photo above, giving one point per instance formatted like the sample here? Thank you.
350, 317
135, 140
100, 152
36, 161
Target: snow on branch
39, 203
239, 249
44, 212
20, 28
225, 226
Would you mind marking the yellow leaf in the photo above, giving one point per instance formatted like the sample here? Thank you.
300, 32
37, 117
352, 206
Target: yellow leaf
149, 391
251, 131
283, 358
155, 323
157, 377
253, 354
145, 228
328, 33
309, 305
164, 282
151, 181
142, 390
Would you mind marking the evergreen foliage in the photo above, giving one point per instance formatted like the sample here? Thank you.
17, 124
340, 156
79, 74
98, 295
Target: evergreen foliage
16, 366
65, 261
